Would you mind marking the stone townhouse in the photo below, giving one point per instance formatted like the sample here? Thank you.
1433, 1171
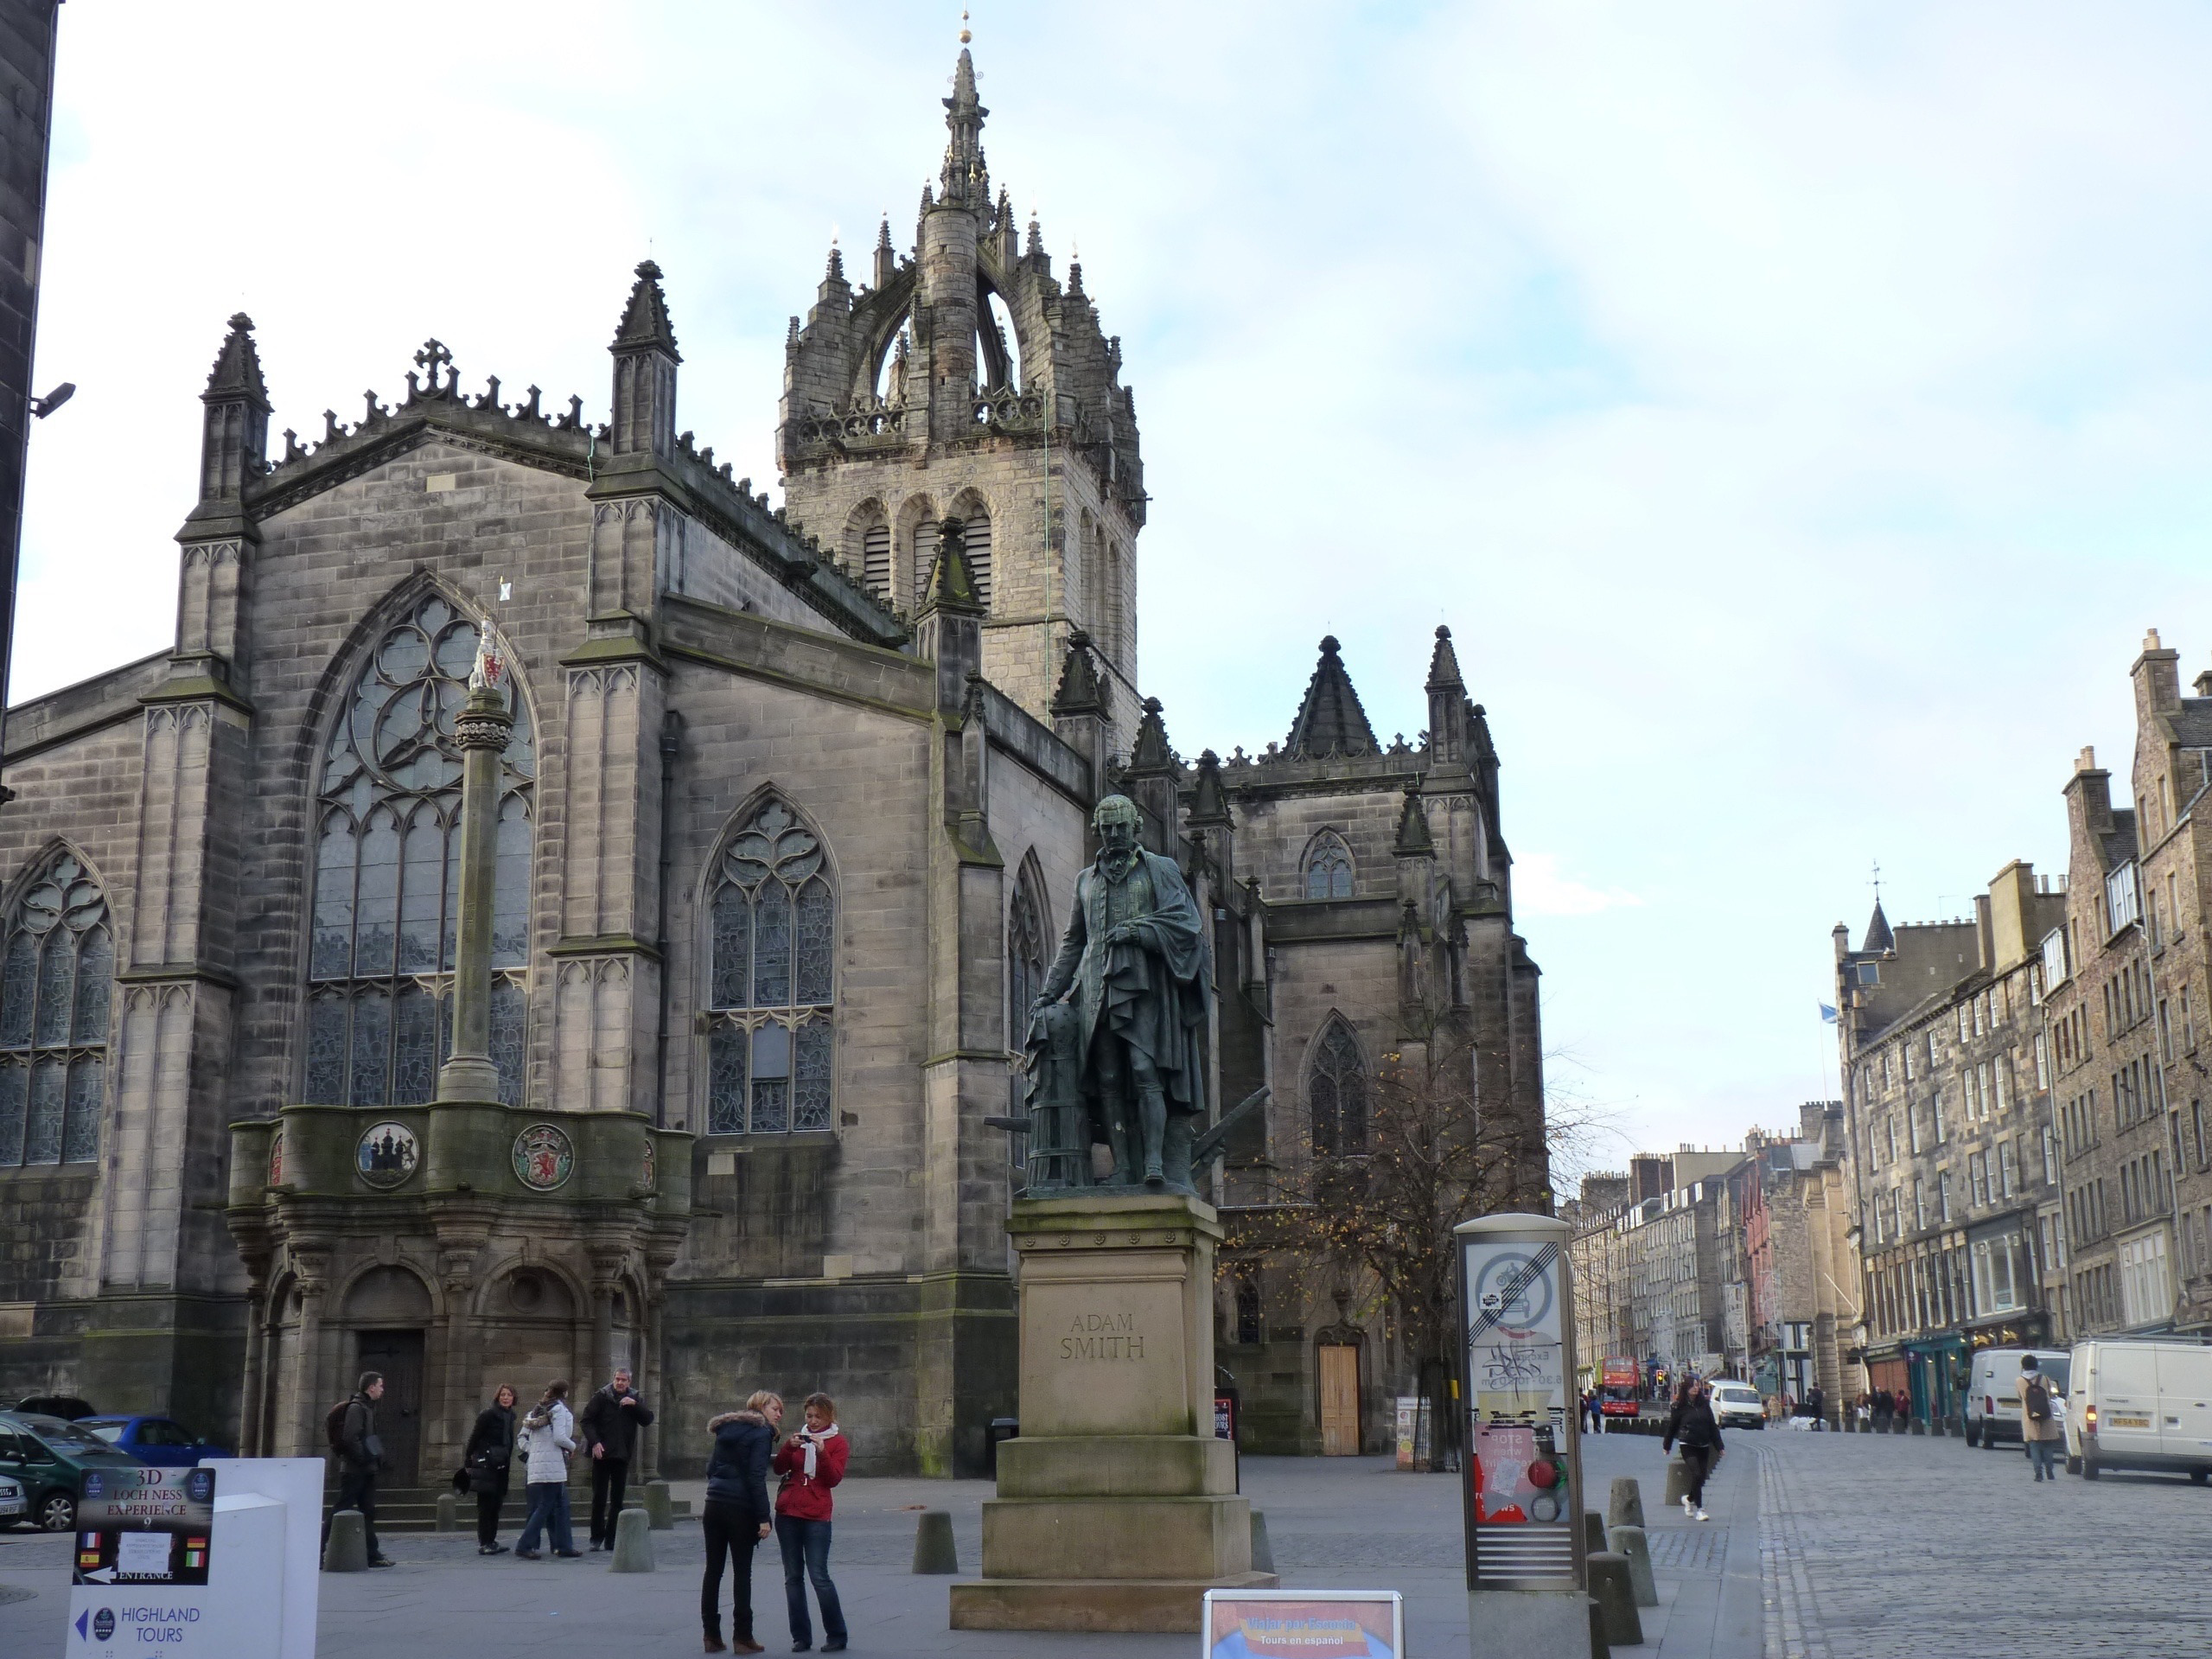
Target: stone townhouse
1948, 1078
1803, 1285
790, 815
2126, 1022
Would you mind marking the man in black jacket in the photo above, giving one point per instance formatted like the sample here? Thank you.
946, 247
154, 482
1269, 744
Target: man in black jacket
361, 1454
610, 1423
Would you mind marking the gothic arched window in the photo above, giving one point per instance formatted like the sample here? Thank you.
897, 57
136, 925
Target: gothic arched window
975, 542
1027, 947
1329, 867
769, 992
1336, 1092
55, 972
388, 867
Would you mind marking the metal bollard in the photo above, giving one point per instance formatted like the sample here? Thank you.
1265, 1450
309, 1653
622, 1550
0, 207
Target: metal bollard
1632, 1544
1624, 1507
347, 1551
632, 1543
1616, 1596
934, 1549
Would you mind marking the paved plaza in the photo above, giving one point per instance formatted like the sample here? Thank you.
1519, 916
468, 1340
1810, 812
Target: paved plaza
1820, 1546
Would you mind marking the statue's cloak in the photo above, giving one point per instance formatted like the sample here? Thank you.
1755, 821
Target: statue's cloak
1153, 991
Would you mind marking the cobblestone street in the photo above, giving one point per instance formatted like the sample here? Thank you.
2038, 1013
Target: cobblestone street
1895, 1544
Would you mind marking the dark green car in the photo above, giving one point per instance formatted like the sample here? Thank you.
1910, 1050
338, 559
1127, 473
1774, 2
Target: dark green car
47, 1456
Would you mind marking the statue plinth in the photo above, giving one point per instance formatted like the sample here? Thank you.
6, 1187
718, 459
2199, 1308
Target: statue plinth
1117, 1507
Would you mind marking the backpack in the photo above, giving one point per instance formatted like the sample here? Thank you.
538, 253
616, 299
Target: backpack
333, 1425
2038, 1400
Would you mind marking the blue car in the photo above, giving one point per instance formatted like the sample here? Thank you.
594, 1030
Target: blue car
161, 1442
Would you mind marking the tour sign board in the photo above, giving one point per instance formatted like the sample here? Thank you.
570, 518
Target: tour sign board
145, 1526
1523, 1490
1303, 1624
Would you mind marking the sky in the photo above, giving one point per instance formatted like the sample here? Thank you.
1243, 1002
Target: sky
1798, 413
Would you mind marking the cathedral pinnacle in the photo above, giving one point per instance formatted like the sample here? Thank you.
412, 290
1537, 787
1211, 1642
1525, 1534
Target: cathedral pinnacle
965, 178
645, 319
237, 372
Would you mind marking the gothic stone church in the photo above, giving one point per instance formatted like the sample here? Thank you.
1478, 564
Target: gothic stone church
787, 829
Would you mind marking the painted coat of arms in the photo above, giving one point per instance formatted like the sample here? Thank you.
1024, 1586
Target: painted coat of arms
544, 1157
386, 1154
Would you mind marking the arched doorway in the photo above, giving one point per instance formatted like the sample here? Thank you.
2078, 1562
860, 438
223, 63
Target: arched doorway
389, 1309
1338, 1354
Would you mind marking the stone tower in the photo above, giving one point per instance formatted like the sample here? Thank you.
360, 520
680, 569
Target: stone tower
963, 382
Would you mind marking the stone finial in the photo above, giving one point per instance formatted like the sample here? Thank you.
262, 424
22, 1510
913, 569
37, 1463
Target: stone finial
1331, 722
1413, 840
1209, 802
236, 376
1152, 754
951, 583
887, 258
645, 324
1078, 691
1443, 664
1034, 250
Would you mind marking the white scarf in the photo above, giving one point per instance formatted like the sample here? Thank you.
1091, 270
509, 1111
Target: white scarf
813, 1439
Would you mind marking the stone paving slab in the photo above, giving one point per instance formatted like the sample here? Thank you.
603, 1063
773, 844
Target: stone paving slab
1353, 1524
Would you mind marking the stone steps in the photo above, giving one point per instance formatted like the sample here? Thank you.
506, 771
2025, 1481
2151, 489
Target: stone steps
414, 1508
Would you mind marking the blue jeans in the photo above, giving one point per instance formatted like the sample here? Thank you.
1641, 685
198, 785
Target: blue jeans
2039, 1454
806, 1545
548, 1511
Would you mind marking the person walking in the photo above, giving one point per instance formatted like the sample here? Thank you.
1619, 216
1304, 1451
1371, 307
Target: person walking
361, 1454
610, 1423
548, 1437
488, 1460
1691, 1423
810, 1462
736, 1516
2038, 1416
1816, 1408
1885, 1410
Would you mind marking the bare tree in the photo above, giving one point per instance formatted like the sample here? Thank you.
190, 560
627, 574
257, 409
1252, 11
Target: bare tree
1376, 1201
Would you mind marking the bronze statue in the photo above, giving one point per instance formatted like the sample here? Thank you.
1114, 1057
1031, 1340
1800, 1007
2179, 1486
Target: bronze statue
1135, 957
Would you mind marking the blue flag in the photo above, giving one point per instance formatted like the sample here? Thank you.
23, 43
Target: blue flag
1828, 1014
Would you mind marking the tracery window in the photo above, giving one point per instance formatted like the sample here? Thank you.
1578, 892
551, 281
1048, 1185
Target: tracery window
388, 869
1329, 867
770, 992
56, 971
1336, 1092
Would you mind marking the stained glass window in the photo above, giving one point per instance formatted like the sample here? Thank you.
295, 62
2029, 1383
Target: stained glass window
387, 870
770, 981
1336, 1092
1328, 868
56, 971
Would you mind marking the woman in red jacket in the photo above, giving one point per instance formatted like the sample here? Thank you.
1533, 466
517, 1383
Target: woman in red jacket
810, 1462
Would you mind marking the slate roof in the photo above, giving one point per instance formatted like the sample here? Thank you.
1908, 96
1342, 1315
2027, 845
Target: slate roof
1330, 720
1878, 937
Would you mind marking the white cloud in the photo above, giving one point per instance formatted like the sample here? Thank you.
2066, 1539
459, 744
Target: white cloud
1541, 889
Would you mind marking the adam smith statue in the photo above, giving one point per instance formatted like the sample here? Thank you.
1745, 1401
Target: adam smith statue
1135, 956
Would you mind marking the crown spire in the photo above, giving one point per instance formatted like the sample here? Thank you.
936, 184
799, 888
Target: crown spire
966, 179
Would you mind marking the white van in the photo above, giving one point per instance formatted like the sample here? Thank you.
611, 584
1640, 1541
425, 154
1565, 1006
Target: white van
2144, 1404
1739, 1405
1993, 1400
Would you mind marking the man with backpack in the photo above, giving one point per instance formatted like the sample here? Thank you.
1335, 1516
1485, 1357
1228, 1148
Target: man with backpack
351, 1430
2039, 1423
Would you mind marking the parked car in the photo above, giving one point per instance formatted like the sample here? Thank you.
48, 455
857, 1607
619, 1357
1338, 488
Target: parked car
47, 1456
1739, 1405
161, 1441
68, 1407
1992, 1405
2141, 1404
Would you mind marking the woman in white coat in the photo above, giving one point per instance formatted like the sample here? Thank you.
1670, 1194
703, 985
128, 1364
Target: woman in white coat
547, 1438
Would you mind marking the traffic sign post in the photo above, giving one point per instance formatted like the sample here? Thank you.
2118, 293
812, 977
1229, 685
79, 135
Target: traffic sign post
1526, 1578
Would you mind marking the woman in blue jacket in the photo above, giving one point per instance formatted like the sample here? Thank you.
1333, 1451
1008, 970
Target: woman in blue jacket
736, 1516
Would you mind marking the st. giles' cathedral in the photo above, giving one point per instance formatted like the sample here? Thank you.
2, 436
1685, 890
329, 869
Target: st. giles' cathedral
790, 806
